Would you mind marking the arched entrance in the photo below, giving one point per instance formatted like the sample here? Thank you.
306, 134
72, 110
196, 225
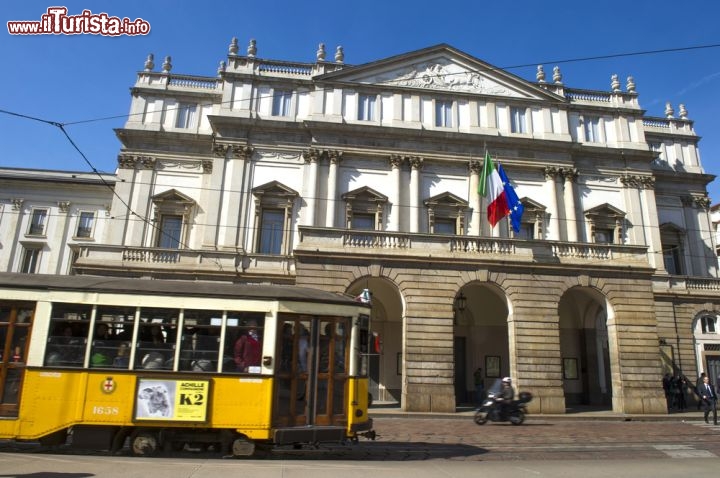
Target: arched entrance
481, 338
386, 322
585, 349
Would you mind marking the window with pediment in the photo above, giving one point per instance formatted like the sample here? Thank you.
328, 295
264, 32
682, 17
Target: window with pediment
364, 209
172, 216
672, 240
446, 214
532, 223
605, 223
274, 205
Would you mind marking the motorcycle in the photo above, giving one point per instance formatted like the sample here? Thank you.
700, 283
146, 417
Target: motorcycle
491, 408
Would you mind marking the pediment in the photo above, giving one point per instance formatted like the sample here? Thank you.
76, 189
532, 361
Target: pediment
447, 199
364, 193
441, 68
172, 196
605, 210
531, 205
274, 188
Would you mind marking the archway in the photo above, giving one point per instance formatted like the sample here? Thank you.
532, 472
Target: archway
385, 365
585, 348
480, 339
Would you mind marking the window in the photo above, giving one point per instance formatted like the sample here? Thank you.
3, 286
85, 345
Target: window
365, 222
364, 209
443, 113
446, 214
708, 324
592, 129
366, 108
37, 222
281, 103
271, 231
186, 114
672, 238
273, 212
172, 213
85, 224
517, 120
30, 260
605, 223
532, 224
170, 230
603, 236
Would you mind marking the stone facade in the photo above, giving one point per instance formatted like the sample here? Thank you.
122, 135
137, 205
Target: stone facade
347, 178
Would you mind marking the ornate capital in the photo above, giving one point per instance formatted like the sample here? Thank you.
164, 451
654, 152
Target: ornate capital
638, 182
207, 165
395, 161
64, 206
311, 155
416, 162
147, 162
334, 156
475, 166
17, 203
569, 174
130, 161
702, 202
550, 172
242, 151
221, 150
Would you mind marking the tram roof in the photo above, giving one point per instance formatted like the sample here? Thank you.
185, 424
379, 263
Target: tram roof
87, 283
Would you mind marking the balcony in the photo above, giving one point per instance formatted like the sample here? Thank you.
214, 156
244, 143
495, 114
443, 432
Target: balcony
99, 259
390, 245
686, 285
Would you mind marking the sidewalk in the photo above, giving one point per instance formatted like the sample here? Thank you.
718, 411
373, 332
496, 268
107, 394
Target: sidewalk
578, 413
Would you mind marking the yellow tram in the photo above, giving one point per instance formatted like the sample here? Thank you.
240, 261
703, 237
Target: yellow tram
172, 363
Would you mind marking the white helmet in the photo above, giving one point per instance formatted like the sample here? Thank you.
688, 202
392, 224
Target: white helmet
507, 380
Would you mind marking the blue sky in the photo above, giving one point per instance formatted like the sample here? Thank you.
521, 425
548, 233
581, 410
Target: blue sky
65, 78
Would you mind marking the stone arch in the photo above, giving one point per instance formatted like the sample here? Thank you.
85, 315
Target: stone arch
386, 364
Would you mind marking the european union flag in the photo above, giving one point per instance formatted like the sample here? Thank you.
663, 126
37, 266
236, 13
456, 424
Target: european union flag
513, 202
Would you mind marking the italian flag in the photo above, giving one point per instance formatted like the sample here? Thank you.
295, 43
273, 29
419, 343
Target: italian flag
491, 186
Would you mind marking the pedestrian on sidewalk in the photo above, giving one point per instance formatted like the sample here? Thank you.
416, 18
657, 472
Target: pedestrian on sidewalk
666, 382
709, 398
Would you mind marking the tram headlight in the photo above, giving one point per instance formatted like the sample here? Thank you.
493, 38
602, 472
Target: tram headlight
359, 413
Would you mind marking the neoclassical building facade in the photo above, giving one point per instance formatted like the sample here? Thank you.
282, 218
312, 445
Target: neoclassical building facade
350, 177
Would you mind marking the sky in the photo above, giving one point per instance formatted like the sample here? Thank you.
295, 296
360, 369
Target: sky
86, 79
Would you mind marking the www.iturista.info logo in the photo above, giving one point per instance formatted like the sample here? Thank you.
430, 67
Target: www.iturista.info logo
57, 22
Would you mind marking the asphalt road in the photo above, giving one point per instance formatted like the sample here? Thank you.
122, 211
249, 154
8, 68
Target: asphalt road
423, 447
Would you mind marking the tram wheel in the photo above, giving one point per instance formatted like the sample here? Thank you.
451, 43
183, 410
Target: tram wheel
243, 446
144, 443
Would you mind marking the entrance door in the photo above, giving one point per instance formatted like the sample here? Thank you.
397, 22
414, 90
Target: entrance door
311, 375
15, 323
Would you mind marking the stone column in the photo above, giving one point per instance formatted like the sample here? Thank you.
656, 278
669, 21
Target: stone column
55, 264
212, 195
244, 154
570, 176
415, 166
475, 228
335, 157
551, 184
395, 164
312, 157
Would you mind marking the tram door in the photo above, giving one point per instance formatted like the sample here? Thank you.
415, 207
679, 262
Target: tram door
15, 323
311, 375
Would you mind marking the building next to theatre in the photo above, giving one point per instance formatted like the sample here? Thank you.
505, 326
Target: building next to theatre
347, 178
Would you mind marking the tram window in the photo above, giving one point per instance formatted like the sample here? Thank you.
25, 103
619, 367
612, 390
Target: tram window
111, 337
243, 342
15, 320
156, 338
200, 341
69, 325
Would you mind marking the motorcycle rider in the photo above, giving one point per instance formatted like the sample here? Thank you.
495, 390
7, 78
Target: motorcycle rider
505, 397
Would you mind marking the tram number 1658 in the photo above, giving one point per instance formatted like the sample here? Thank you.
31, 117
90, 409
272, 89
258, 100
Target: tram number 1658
105, 410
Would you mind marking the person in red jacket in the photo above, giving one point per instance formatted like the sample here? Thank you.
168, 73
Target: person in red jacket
248, 349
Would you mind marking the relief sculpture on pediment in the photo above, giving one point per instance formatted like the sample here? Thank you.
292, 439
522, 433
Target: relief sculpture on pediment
435, 75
